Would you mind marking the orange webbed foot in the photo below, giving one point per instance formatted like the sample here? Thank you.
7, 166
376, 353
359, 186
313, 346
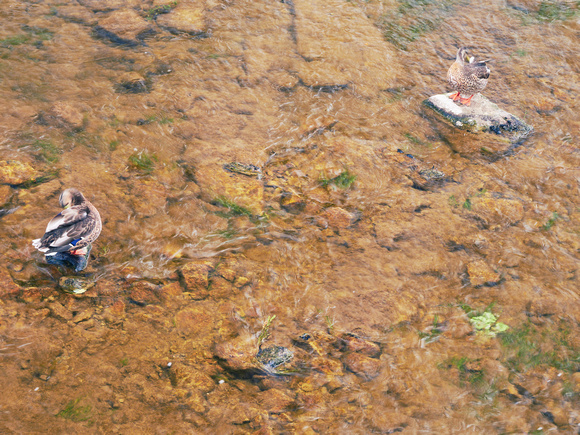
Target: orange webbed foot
466, 101
456, 96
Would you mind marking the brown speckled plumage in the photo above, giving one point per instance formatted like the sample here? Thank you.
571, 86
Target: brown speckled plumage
467, 78
73, 229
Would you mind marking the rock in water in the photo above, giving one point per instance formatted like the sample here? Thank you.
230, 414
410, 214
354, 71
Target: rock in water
74, 284
504, 130
274, 356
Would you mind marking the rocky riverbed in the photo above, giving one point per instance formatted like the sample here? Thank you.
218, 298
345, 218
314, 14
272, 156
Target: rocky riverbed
292, 242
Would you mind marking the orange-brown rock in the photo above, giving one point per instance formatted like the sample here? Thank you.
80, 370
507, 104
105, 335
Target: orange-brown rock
275, 401
77, 14
5, 194
144, 292
238, 353
327, 366
68, 114
196, 278
339, 218
497, 212
192, 322
60, 312
15, 172
7, 286
357, 344
123, 27
230, 190
187, 377
363, 365
185, 19
108, 5
480, 273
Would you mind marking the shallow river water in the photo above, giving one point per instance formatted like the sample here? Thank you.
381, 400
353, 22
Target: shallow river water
292, 242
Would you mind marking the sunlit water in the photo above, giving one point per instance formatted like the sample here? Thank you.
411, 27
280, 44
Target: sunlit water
334, 233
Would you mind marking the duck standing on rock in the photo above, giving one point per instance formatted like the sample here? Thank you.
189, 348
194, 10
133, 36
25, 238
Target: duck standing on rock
467, 77
70, 233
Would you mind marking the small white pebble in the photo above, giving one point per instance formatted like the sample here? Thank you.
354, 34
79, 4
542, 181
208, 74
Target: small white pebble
458, 123
221, 381
36, 389
169, 364
559, 374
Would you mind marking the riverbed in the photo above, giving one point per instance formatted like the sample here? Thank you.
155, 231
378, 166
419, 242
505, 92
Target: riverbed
269, 178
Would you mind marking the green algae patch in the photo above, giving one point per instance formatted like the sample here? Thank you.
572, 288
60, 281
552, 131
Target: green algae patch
529, 346
143, 161
234, 209
487, 325
344, 180
75, 412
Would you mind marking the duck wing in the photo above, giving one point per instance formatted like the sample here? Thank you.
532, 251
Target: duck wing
67, 218
66, 230
477, 69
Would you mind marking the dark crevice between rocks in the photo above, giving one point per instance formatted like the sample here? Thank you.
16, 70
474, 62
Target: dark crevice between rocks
102, 33
327, 89
292, 28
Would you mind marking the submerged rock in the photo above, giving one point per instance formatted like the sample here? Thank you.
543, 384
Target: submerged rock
14, 172
184, 20
67, 114
75, 284
480, 273
356, 344
238, 194
132, 83
238, 353
7, 285
196, 278
124, 27
497, 212
339, 218
5, 194
274, 356
363, 365
503, 129
108, 5
77, 14
275, 401
60, 312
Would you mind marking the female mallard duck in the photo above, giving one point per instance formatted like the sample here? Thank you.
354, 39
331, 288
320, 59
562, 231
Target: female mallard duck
72, 230
467, 78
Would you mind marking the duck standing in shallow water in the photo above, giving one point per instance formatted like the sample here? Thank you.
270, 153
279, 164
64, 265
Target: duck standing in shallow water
467, 77
70, 233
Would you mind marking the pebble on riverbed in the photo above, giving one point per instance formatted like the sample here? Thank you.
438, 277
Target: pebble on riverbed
75, 285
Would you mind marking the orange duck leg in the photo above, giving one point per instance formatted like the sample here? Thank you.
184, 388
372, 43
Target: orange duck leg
466, 101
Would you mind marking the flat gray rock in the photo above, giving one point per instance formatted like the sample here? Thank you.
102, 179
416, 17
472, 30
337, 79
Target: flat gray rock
494, 131
482, 116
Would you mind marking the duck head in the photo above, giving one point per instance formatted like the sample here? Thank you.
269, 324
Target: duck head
71, 197
462, 56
